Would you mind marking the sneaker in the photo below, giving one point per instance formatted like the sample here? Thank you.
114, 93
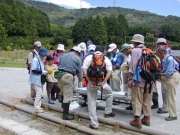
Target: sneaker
109, 115
171, 118
90, 126
39, 111
161, 111
154, 106
50, 102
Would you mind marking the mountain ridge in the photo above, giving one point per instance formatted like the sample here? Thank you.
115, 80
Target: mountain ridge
68, 17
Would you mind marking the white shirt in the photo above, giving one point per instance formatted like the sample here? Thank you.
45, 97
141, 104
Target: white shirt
30, 56
88, 59
127, 59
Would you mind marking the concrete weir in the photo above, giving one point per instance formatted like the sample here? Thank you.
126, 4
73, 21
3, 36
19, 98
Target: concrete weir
114, 123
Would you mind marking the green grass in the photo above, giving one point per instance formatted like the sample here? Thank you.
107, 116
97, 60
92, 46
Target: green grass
12, 63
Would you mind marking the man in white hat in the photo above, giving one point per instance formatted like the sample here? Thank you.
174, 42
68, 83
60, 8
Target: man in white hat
116, 60
33, 54
70, 66
82, 45
140, 99
164, 108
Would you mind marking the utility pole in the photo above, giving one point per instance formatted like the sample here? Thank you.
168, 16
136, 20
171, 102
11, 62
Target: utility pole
114, 3
80, 4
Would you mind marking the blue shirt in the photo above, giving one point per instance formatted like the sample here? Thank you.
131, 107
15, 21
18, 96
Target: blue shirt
70, 62
117, 59
169, 65
82, 56
35, 65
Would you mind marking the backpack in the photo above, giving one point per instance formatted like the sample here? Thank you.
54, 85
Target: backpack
150, 65
27, 63
97, 69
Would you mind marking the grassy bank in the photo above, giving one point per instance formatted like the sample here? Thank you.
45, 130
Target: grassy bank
12, 63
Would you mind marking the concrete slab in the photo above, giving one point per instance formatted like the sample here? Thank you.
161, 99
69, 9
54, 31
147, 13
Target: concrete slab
14, 85
18, 128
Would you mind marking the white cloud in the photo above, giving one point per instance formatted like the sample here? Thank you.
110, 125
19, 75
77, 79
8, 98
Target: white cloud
70, 3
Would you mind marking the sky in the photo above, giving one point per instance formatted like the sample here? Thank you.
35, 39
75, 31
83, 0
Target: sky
160, 7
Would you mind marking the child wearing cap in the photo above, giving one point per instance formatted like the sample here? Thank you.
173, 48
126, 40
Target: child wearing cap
52, 84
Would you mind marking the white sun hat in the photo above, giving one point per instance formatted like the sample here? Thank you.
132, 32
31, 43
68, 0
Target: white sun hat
60, 47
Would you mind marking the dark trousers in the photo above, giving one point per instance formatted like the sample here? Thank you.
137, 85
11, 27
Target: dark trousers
155, 98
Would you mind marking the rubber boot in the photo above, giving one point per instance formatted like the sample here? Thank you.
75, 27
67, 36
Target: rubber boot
146, 120
66, 115
61, 101
136, 123
155, 100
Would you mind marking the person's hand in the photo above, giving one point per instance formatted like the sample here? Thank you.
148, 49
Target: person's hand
44, 72
129, 84
100, 85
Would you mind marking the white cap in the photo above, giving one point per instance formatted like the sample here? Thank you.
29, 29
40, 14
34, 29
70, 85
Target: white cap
138, 38
161, 40
82, 45
91, 47
77, 49
112, 46
60, 47
37, 43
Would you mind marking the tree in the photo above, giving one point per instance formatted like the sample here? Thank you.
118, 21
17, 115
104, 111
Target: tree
2, 30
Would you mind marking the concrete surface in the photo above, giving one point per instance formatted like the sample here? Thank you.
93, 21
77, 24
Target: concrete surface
14, 85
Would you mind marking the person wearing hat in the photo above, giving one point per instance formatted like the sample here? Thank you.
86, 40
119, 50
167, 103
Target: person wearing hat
89, 42
52, 83
164, 108
141, 101
92, 90
116, 60
126, 50
171, 80
59, 52
37, 69
82, 45
70, 66
33, 54
57, 55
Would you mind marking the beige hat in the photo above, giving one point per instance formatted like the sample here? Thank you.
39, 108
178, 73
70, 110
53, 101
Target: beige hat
112, 46
82, 45
138, 38
161, 40
60, 47
77, 49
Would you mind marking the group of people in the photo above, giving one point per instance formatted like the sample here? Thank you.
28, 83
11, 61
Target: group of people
65, 72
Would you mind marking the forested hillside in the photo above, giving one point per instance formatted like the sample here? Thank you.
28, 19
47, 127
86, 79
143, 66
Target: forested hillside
17, 19
24, 21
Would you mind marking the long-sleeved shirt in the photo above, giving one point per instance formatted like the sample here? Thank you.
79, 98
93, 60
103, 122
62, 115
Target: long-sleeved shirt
117, 59
135, 57
36, 65
169, 65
